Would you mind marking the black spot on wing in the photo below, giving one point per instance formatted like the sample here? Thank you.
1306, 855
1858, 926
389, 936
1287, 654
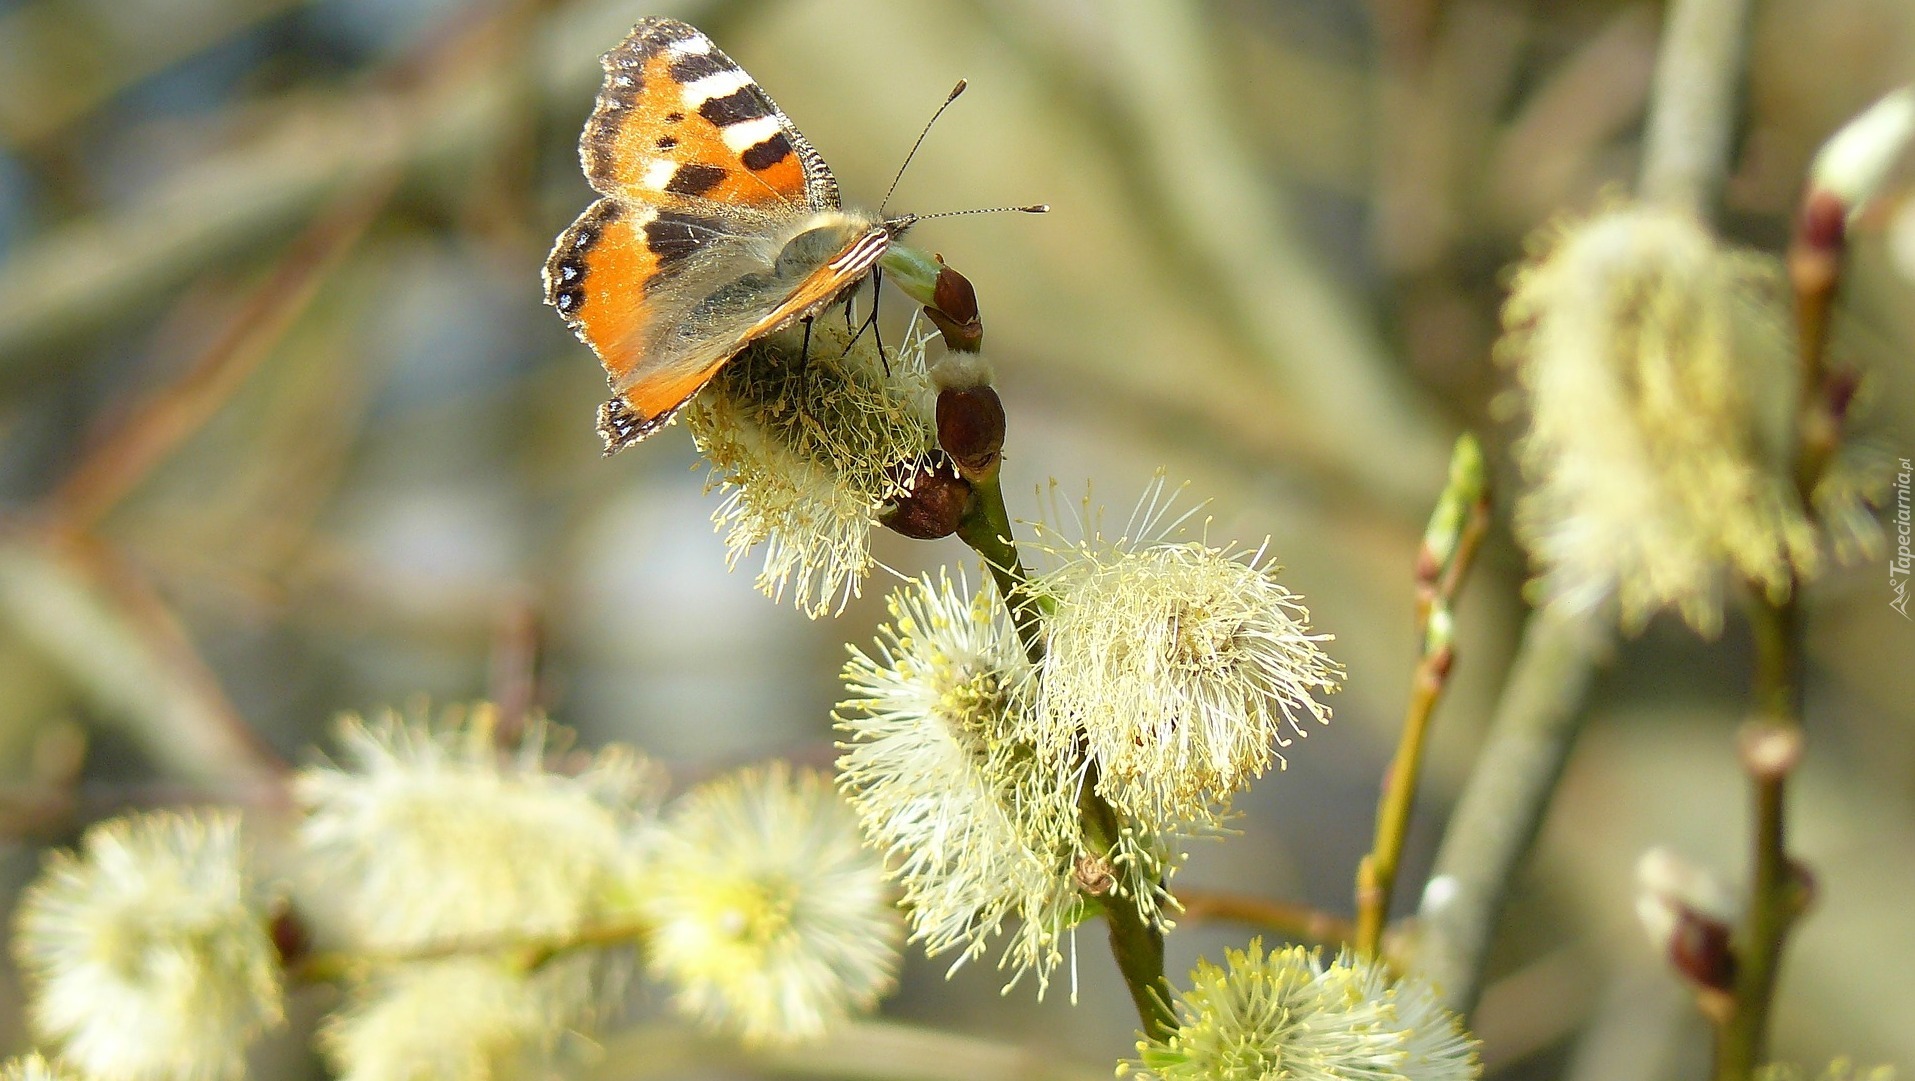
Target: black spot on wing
768, 153
690, 69
673, 235
621, 426
742, 104
666, 142
694, 178
565, 269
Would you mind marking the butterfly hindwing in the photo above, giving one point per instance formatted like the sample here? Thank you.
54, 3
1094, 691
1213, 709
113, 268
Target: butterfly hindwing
678, 120
605, 270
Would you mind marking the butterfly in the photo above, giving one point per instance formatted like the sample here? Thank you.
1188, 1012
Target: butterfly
718, 225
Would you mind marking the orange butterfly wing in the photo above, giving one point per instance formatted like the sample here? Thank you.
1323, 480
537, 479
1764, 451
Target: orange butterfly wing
678, 119
695, 162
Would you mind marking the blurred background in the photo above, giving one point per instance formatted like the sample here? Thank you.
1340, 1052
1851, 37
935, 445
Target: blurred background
285, 429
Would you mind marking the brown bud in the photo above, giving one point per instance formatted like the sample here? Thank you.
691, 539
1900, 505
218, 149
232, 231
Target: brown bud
954, 311
971, 428
1700, 949
955, 296
935, 504
289, 936
1822, 224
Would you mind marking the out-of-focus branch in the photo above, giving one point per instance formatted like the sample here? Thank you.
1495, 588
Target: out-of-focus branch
100, 624
43, 90
1501, 809
174, 412
1692, 114
1685, 160
850, 1051
1155, 95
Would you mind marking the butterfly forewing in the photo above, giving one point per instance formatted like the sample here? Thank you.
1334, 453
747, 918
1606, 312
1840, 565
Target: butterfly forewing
720, 224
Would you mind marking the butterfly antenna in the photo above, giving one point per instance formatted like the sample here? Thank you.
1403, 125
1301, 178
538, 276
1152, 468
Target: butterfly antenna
1034, 208
955, 91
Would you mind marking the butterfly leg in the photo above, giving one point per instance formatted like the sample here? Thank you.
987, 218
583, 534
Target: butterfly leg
804, 353
870, 323
877, 332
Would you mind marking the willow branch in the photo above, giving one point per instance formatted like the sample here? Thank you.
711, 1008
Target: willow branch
1501, 809
1693, 109
1685, 160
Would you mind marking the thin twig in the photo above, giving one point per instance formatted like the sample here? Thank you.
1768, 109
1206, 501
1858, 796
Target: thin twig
1449, 548
1772, 745
1296, 921
333, 966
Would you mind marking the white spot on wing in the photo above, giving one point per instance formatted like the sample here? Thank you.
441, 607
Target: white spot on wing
742, 137
696, 45
659, 173
715, 85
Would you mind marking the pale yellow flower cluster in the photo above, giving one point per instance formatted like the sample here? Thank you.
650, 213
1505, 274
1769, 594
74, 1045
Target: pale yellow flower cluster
809, 439
1660, 389
1169, 674
484, 896
147, 951
768, 914
1286, 1015
977, 832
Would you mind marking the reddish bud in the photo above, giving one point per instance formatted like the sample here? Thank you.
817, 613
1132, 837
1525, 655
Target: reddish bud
1700, 949
955, 296
289, 936
935, 504
1839, 389
1429, 566
971, 428
1822, 224
954, 311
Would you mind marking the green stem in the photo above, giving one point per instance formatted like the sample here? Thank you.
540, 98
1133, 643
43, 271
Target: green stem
1742, 1043
1136, 943
1449, 547
1775, 899
987, 529
1376, 875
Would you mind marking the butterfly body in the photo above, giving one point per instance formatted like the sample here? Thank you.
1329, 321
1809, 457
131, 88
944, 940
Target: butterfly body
718, 224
